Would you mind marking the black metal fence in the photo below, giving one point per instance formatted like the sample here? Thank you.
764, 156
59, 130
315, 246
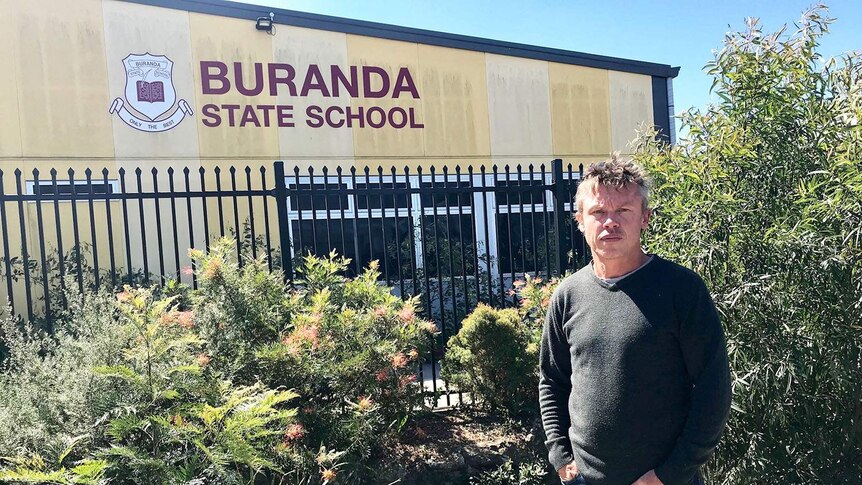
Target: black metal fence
453, 237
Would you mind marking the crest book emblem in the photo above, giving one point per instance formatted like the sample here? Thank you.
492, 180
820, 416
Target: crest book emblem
150, 94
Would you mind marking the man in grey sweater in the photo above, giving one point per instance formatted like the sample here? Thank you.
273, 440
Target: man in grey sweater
635, 385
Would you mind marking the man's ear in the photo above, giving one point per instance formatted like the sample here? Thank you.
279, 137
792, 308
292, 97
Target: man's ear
647, 214
580, 220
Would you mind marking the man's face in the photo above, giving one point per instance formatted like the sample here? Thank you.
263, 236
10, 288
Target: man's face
612, 220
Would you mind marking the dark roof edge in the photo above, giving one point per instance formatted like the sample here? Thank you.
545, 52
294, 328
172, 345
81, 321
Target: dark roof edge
386, 31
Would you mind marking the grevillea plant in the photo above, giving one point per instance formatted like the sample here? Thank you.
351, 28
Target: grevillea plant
244, 380
349, 348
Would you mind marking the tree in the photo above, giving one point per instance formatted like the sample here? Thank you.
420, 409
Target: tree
763, 198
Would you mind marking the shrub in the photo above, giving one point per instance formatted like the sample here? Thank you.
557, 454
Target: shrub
495, 355
493, 358
763, 199
534, 472
348, 347
179, 386
146, 411
48, 397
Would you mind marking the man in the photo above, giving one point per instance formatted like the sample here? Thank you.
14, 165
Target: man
635, 384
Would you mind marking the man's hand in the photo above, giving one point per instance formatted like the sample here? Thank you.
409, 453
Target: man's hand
568, 472
648, 478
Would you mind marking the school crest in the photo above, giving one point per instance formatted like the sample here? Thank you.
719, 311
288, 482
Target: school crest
150, 94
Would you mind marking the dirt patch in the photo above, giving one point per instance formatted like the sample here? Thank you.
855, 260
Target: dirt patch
449, 447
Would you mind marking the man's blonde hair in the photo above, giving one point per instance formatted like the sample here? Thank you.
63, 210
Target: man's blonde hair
616, 173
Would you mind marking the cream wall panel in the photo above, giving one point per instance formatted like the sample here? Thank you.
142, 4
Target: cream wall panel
138, 29
580, 111
519, 106
391, 56
10, 129
631, 107
455, 102
62, 79
150, 233
231, 40
85, 224
300, 48
414, 163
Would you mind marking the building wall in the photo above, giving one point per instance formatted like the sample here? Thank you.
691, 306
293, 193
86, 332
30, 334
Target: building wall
63, 69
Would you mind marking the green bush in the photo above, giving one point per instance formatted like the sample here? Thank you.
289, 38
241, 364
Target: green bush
534, 472
348, 347
492, 357
241, 381
495, 354
764, 200
48, 397
145, 410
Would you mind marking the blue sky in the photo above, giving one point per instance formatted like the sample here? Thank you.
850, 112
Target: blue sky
677, 32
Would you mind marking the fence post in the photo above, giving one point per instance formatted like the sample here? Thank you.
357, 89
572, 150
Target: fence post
280, 194
561, 193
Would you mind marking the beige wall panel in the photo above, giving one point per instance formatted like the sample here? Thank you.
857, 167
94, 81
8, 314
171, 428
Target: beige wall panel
65, 238
519, 106
231, 40
301, 47
62, 79
243, 211
454, 101
414, 163
580, 112
391, 56
631, 107
10, 128
151, 233
138, 29
84, 223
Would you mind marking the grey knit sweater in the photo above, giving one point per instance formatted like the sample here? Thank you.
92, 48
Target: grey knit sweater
634, 375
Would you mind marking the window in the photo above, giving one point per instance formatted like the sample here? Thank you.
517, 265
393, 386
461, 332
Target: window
525, 226
64, 187
402, 222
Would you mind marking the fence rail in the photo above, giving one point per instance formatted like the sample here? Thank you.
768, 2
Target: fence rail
454, 237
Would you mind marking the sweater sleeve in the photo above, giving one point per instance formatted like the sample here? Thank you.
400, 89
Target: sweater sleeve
555, 385
705, 353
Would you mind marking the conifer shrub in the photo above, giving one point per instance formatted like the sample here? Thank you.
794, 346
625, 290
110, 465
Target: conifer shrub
495, 355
